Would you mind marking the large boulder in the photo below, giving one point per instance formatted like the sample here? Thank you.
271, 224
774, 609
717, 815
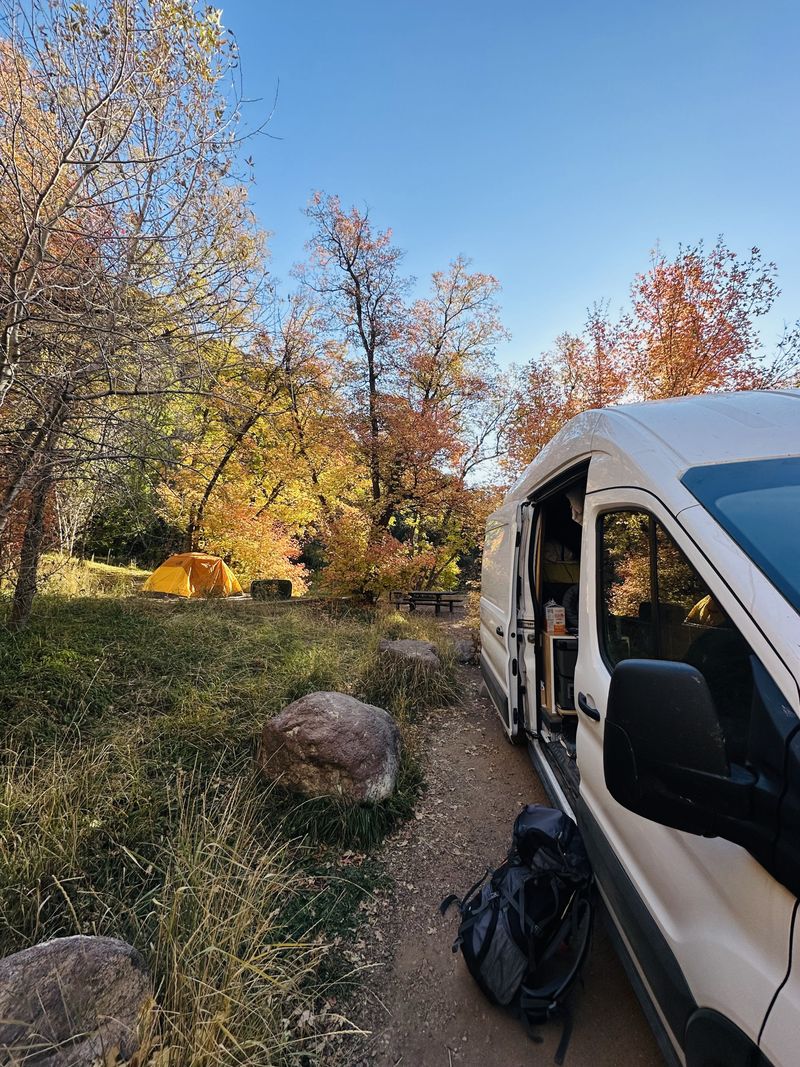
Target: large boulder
330, 744
413, 653
72, 1002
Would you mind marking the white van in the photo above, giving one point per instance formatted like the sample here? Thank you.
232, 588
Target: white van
664, 716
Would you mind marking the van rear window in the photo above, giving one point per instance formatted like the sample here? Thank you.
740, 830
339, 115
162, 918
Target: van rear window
758, 503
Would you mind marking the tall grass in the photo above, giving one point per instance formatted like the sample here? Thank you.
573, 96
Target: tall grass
68, 576
232, 983
129, 807
204, 900
409, 689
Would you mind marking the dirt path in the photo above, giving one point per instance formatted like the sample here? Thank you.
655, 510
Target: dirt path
419, 1003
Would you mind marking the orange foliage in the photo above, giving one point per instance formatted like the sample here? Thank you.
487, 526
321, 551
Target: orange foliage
257, 545
422, 404
691, 329
363, 560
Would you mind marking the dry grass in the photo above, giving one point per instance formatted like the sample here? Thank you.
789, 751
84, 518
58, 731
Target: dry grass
70, 577
205, 902
232, 982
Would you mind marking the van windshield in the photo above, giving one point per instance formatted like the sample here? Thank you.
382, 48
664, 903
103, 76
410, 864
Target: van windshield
758, 503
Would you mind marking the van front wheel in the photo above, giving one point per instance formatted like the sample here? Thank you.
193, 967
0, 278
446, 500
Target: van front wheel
714, 1041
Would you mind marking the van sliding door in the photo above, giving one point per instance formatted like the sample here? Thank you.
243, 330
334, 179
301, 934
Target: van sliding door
499, 592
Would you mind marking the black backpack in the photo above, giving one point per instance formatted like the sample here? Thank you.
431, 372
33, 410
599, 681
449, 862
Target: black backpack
525, 927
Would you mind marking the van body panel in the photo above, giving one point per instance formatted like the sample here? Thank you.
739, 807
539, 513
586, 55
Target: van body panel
651, 953
647, 444
710, 932
779, 1041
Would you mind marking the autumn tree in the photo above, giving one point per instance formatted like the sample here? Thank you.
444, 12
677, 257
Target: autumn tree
582, 371
423, 401
127, 240
314, 429
356, 273
259, 461
692, 327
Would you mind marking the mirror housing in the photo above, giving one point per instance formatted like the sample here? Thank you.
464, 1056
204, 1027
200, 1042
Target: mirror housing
664, 751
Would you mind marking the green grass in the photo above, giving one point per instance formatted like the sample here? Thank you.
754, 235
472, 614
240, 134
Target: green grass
129, 806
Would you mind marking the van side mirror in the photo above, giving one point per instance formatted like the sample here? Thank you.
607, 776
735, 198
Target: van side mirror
664, 751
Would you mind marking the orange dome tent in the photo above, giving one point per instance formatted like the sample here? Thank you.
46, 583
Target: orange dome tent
193, 574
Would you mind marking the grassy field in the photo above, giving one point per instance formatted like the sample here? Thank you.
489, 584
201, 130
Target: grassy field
129, 806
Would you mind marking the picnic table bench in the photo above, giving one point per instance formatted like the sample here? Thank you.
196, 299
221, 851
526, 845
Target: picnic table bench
418, 597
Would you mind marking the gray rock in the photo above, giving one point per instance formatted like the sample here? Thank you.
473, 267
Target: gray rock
330, 744
418, 653
71, 1002
466, 650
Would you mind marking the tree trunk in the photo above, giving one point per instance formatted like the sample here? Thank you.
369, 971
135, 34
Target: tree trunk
31, 455
30, 554
374, 430
197, 516
191, 532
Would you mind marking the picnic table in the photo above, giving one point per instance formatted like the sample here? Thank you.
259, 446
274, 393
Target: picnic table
420, 597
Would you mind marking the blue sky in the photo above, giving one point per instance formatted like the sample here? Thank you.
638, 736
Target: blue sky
554, 143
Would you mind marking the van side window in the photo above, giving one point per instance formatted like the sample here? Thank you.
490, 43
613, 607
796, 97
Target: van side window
654, 605
625, 586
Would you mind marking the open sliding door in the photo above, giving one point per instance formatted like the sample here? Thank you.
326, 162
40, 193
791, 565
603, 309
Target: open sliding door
501, 582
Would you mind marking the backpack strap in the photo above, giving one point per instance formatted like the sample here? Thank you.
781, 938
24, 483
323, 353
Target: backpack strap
461, 901
566, 1034
545, 1000
572, 925
473, 917
538, 927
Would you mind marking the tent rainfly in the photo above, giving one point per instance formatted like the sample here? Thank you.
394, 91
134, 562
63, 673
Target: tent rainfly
193, 574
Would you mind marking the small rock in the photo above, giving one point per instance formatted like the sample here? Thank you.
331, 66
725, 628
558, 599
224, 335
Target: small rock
466, 651
330, 744
71, 1001
419, 653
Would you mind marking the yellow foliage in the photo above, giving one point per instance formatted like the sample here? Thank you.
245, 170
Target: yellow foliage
259, 546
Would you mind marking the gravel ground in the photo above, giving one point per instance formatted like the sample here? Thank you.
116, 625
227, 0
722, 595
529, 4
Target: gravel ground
418, 1002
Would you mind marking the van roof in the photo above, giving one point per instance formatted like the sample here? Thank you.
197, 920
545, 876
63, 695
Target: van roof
665, 437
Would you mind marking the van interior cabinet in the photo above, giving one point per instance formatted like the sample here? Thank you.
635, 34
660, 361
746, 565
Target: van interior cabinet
557, 689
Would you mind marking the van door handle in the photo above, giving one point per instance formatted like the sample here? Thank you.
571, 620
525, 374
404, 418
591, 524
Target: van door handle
587, 708
499, 631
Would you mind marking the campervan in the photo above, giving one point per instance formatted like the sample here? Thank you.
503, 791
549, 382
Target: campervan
640, 632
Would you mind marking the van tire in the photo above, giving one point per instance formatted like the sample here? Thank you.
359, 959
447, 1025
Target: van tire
714, 1041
